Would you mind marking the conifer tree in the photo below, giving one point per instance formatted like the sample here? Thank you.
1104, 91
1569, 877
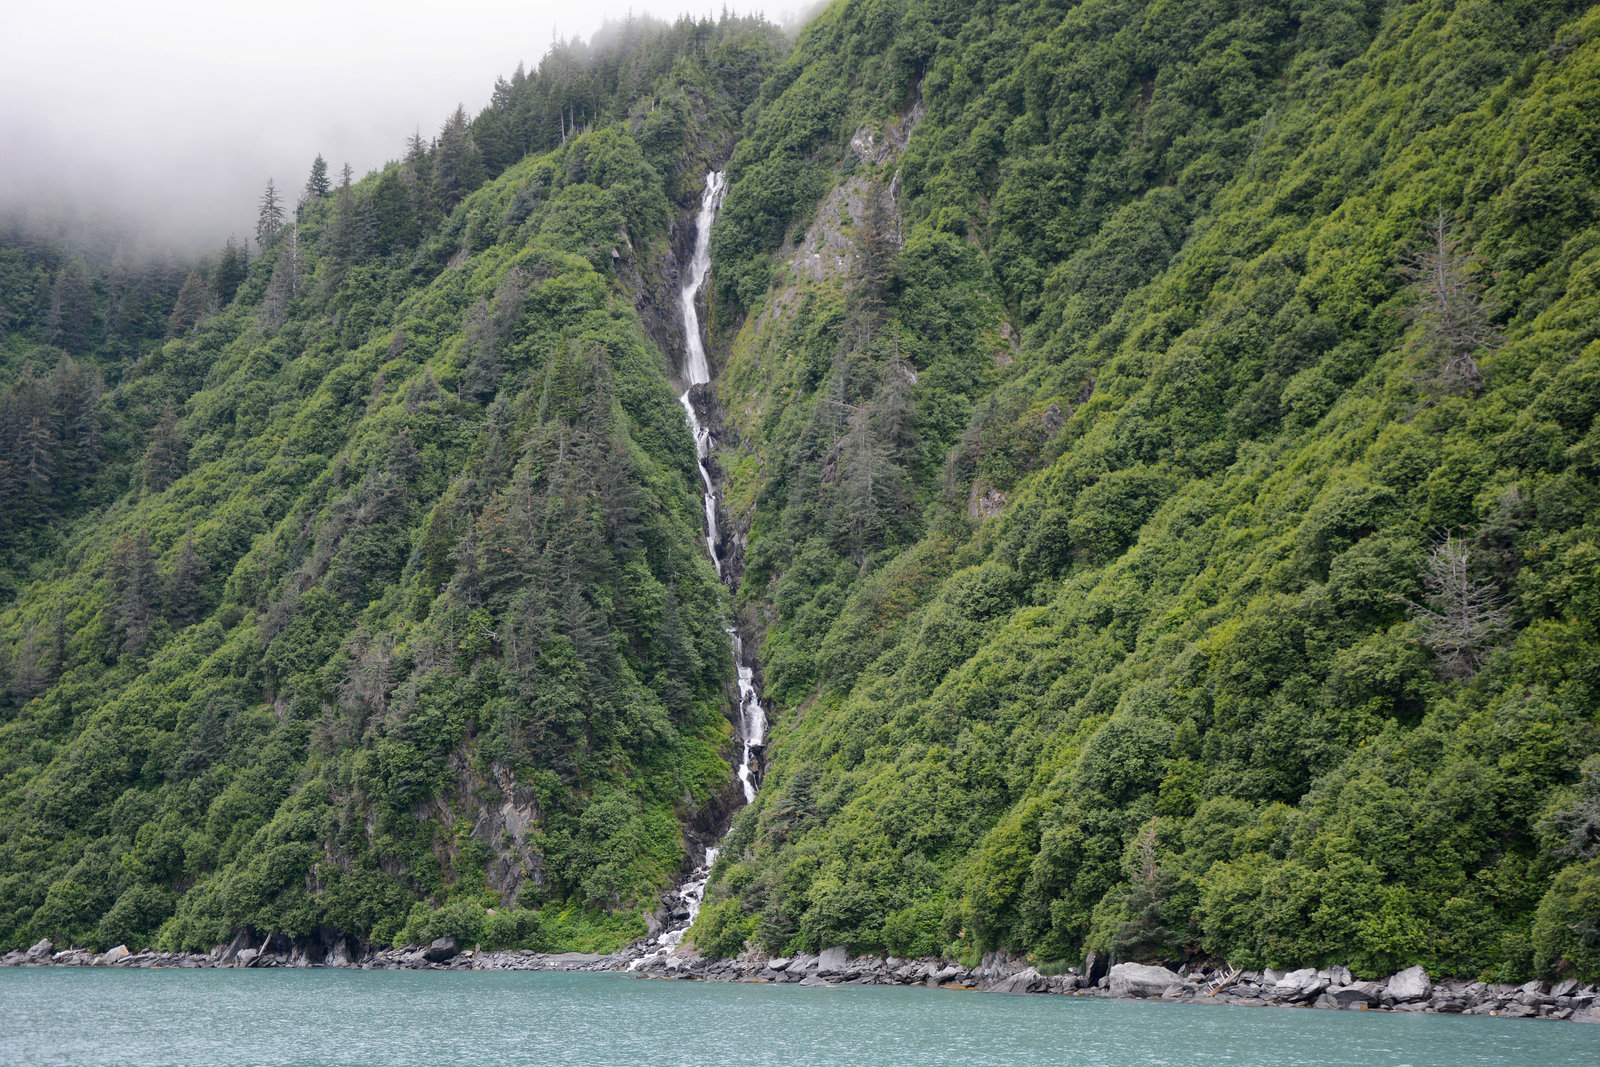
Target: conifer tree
27, 680
194, 300
342, 242
1463, 616
69, 324
457, 164
189, 574
317, 185
163, 460
135, 591
270, 221
232, 265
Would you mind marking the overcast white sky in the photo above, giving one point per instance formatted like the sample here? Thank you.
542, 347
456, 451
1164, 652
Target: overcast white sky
175, 112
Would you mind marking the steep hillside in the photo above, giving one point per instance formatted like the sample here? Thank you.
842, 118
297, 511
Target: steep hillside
1157, 453
386, 600
1162, 441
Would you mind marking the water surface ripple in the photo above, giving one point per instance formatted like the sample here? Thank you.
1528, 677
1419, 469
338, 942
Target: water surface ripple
194, 1017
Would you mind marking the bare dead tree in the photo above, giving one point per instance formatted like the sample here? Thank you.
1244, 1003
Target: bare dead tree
1463, 616
1450, 307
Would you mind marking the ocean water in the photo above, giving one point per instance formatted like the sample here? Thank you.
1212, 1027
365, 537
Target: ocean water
142, 1018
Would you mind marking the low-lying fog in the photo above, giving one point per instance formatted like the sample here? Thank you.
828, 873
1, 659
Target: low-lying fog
167, 117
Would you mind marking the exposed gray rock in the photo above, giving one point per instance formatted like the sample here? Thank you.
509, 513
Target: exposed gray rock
40, 950
111, 956
1095, 967
230, 952
1356, 995
1409, 985
779, 964
815, 980
833, 961
444, 948
1299, 985
1024, 981
1565, 988
1141, 980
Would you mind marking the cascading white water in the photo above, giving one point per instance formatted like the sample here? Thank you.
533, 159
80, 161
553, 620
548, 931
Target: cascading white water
752, 715
692, 893
696, 371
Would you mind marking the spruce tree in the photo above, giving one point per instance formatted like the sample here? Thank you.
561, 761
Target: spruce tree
270, 221
194, 300
189, 574
317, 185
135, 590
232, 265
163, 460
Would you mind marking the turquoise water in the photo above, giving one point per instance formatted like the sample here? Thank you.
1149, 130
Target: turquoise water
142, 1018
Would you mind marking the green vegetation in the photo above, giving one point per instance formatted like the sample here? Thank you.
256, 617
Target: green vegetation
1228, 584
362, 590
1163, 439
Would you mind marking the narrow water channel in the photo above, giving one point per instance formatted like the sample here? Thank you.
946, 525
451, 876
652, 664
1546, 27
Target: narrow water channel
752, 720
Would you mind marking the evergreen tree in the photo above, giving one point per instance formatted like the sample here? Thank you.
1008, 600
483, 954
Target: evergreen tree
189, 574
269, 223
232, 265
27, 679
163, 459
194, 300
135, 592
457, 163
341, 247
69, 323
317, 185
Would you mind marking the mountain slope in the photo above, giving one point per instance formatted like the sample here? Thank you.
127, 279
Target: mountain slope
1097, 453
400, 610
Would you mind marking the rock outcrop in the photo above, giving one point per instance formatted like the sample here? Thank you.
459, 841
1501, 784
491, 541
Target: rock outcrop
1142, 980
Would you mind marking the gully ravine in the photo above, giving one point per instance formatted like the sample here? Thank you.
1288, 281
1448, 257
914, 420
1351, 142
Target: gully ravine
752, 714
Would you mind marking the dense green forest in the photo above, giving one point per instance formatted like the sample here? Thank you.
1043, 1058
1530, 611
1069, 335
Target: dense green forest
361, 587
1159, 446
1171, 504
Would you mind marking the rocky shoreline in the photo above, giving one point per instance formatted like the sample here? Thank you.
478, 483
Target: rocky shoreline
1334, 988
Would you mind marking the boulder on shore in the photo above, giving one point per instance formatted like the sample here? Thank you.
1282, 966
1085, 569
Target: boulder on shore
111, 956
1356, 995
444, 948
1410, 984
1024, 981
832, 961
40, 950
1141, 980
1303, 984
230, 952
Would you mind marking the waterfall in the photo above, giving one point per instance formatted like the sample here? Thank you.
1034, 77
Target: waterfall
695, 369
752, 715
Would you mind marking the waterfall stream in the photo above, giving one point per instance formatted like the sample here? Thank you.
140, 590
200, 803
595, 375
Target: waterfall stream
752, 715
